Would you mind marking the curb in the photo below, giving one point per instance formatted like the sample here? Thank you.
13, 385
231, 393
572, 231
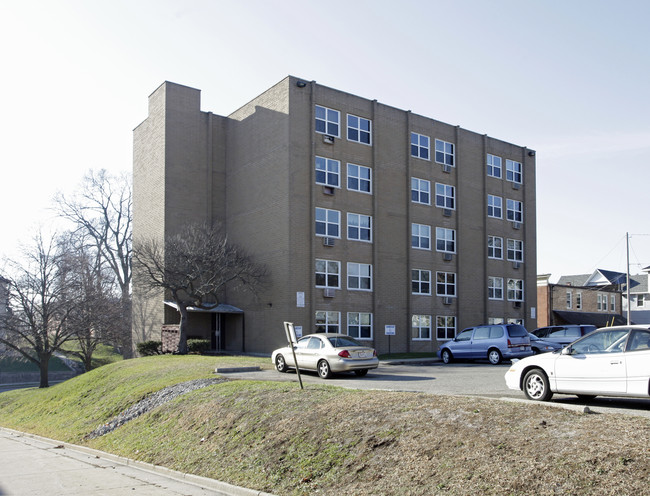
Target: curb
212, 484
225, 370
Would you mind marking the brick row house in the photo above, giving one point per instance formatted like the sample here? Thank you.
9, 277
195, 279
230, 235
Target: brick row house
367, 217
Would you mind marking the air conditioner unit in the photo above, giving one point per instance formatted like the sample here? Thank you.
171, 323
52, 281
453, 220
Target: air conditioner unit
516, 225
446, 212
516, 185
329, 292
328, 190
516, 304
446, 300
328, 139
447, 257
446, 168
328, 241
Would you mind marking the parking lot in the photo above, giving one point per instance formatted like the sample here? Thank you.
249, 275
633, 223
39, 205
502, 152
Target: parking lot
464, 378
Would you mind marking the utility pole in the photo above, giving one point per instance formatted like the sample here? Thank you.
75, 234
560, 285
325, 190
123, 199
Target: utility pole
627, 285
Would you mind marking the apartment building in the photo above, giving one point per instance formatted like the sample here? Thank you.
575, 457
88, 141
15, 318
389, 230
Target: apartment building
373, 221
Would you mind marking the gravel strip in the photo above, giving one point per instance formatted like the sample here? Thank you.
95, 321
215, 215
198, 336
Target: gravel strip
152, 401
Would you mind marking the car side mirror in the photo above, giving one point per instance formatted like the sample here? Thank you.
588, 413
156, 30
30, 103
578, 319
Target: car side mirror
567, 351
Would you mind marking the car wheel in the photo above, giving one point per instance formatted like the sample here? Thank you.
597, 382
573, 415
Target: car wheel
280, 364
494, 356
361, 372
535, 351
324, 369
446, 356
536, 386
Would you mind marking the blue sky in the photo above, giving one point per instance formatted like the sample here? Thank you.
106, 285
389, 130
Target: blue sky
568, 79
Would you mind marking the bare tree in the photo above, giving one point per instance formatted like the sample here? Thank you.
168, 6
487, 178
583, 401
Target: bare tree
36, 326
102, 210
195, 267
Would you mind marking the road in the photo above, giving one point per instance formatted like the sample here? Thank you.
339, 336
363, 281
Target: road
465, 379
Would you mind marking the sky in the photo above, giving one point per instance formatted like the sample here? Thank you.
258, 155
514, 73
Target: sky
567, 78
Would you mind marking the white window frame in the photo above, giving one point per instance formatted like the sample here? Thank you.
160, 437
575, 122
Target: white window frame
445, 153
515, 290
420, 323
495, 288
447, 238
612, 303
445, 324
494, 166
578, 300
445, 196
355, 222
328, 320
447, 282
359, 272
360, 320
514, 210
327, 270
327, 121
421, 278
514, 171
493, 248
640, 301
354, 125
569, 300
419, 188
360, 180
329, 221
420, 143
420, 235
515, 250
495, 207
324, 166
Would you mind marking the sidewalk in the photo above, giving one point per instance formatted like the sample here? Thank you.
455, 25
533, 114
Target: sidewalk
34, 466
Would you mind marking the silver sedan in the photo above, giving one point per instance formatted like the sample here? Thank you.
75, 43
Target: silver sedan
327, 353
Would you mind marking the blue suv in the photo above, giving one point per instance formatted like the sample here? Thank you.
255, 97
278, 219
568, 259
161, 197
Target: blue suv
492, 342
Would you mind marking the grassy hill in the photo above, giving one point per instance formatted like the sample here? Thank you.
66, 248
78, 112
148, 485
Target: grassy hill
274, 437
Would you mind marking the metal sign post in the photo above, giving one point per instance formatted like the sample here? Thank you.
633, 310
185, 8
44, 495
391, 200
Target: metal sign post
390, 331
291, 339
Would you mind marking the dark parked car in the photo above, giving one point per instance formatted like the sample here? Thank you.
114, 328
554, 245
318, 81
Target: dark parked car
540, 345
492, 342
563, 334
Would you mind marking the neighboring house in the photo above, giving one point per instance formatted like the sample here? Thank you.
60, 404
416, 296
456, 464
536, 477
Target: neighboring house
366, 216
4, 307
581, 299
639, 296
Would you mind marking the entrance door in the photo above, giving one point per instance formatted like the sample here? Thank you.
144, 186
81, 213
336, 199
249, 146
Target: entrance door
216, 334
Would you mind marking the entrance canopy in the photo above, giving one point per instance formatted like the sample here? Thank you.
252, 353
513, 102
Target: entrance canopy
598, 319
220, 308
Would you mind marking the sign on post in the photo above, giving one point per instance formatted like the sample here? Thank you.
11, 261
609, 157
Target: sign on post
290, 331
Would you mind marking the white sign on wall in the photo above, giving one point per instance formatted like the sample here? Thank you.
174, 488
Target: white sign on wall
390, 330
300, 299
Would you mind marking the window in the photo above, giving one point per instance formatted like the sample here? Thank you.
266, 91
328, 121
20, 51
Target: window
421, 327
359, 178
327, 274
513, 171
578, 301
445, 195
612, 303
420, 146
569, 300
327, 321
359, 276
445, 153
445, 327
445, 284
359, 227
640, 300
494, 166
360, 325
599, 302
421, 281
421, 236
495, 288
328, 222
359, 129
495, 247
327, 121
602, 302
495, 206
327, 171
445, 240
420, 191
514, 210
515, 290
515, 250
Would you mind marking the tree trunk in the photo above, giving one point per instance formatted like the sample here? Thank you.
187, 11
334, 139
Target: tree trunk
182, 329
45, 363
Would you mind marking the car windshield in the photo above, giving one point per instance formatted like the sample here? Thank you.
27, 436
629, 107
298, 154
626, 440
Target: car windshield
343, 341
601, 342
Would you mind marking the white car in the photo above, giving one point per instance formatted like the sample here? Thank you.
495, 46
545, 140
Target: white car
327, 354
612, 361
